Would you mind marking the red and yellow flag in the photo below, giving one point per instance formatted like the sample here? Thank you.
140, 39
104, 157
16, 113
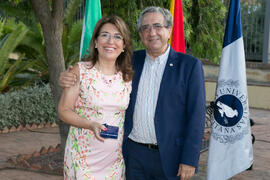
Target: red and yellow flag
177, 40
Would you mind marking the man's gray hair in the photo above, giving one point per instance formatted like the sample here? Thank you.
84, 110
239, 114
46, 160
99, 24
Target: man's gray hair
153, 9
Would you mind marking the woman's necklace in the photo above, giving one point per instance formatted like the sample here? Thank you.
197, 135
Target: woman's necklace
98, 67
107, 79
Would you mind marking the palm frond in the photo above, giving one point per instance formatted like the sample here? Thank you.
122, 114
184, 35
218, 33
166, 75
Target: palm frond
3, 40
71, 32
10, 25
21, 12
17, 74
2, 23
10, 10
72, 44
75, 32
34, 40
9, 75
10, 44
70, 11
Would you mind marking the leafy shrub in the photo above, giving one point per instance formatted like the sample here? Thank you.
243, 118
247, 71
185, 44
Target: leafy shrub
27, 106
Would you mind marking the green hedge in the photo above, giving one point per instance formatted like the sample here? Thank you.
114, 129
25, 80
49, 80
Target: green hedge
27, 106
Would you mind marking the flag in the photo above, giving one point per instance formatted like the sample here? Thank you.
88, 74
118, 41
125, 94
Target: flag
92, 13
230, 150
177, 40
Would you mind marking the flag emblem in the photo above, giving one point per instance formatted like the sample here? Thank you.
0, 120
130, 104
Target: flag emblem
230, 113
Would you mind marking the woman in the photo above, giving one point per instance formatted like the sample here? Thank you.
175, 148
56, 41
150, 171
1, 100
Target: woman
100, 96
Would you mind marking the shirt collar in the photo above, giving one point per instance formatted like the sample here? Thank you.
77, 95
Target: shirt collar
160, 59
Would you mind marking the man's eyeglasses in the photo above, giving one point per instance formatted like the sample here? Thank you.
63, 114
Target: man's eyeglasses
107, 36
147, 28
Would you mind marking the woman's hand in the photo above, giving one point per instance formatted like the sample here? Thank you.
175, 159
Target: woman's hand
96, 127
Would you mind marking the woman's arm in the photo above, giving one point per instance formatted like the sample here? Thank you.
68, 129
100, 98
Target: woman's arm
66, 108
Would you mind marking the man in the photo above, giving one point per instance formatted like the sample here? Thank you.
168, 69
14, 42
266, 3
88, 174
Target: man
165, 119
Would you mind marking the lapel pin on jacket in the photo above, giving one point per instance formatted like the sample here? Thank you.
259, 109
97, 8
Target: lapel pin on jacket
171, 64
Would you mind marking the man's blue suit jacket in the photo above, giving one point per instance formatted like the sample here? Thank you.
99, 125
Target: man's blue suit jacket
180, 110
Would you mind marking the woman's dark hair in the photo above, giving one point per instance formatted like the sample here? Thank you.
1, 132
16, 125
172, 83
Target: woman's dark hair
123, 61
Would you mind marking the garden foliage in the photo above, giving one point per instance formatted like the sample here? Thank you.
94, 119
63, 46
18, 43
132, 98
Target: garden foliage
27, 106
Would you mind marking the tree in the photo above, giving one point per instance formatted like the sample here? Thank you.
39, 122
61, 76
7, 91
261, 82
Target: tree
207, 22
50, 42
203, 23
32, 45
50, 15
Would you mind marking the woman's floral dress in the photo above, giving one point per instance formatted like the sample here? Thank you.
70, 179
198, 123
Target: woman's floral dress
103, 99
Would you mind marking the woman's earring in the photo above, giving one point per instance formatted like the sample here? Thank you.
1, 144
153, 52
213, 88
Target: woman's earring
95, 45
123, 50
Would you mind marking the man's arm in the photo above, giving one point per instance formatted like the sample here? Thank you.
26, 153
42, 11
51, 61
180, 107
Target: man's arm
195, 120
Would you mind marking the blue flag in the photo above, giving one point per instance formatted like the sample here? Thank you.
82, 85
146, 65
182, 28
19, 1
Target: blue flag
230, 150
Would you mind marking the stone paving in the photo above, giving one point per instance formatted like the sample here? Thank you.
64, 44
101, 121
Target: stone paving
24, 142
27, 141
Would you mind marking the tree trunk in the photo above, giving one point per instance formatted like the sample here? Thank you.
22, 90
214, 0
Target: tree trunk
51, 20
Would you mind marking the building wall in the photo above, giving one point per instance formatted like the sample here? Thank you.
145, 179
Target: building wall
258, 80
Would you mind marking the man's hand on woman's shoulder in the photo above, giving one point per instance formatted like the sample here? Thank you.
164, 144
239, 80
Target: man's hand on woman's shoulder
67, 78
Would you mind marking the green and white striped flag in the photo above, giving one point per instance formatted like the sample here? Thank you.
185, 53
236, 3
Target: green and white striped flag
91, 16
